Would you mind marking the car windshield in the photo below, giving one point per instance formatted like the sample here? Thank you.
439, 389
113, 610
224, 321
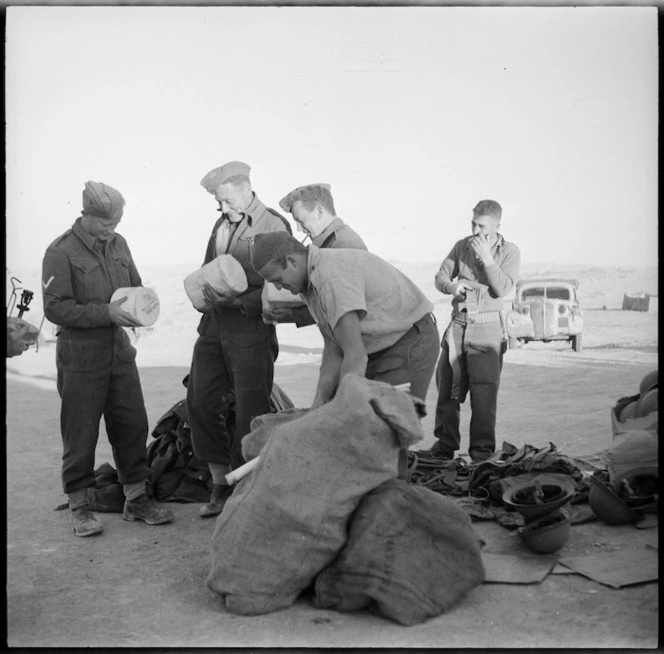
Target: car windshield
550, 292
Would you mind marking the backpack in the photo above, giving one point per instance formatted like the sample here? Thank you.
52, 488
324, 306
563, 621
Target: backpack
176, 474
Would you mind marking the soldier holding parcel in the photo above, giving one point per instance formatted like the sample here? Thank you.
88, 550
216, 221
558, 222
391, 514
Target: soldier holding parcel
375, 321
235, 350
312, 208
97, 374
479, 272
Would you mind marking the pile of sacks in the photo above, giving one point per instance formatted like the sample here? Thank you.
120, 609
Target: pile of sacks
324, 510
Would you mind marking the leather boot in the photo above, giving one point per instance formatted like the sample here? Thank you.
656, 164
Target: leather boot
220, 493
84, 523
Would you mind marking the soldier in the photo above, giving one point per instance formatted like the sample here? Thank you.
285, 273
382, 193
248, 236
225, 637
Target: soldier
235, 350
97, 372
375, 322
312, 208
479, 272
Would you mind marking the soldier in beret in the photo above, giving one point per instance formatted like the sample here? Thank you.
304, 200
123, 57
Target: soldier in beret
235, 350
312, 208
97, 372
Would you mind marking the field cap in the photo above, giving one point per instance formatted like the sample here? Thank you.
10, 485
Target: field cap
268, 246
222, 174
301, 192
102, 201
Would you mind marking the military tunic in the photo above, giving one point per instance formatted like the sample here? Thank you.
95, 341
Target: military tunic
96, 368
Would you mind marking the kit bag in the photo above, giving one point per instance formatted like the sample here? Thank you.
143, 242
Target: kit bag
287, 520
411, 554
176, 474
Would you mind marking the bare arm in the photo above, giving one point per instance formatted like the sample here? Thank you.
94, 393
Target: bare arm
338, 360
328, 379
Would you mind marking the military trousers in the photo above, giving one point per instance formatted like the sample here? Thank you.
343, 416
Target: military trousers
471, 361
97, 376
234, 364
412, 359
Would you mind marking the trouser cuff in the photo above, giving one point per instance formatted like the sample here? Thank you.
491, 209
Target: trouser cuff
78, 498
133, 491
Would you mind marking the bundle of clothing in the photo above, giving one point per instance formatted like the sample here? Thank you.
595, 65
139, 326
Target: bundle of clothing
478, 488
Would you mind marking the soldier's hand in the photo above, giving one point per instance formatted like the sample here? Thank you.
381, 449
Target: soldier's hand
278, 314
461, 288
480, 245
119, 316
214, 298
20, 335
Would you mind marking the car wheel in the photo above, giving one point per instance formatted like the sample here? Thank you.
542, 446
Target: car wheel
576, 343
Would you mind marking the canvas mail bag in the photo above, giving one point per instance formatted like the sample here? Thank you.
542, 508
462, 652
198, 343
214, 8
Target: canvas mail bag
287, 520
411, 554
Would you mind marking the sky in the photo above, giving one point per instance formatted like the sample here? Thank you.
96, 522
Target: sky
411, 114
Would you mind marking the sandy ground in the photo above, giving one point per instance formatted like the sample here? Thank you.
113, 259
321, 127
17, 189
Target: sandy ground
140, 586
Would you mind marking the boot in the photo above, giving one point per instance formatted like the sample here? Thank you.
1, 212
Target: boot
146, 509
220, 493
84, 523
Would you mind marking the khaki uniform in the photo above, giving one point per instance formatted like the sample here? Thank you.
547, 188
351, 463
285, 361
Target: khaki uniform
472, 347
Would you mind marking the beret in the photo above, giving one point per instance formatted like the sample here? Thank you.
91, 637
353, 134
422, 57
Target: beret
287, 202
102, 201
222, 174
269, 246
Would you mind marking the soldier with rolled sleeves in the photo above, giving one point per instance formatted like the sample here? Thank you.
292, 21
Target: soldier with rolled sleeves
479, 272
96, 366
312, 208
375, 322
235, 350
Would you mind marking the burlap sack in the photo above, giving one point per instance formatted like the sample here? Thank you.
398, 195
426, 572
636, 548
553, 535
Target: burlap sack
410, 555
286, 521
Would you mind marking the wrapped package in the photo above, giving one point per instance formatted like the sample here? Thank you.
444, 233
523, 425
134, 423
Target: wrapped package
224, 274
287, 520
141, 302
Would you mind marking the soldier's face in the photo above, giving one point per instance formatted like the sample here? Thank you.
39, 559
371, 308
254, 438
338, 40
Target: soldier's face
101, 228
486, 226
304, 219
293, 277
233, 200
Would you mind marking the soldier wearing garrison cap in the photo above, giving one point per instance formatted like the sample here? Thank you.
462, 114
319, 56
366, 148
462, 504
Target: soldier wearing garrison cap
97, 372
235, 350
312, 208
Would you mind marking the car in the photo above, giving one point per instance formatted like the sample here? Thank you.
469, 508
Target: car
545, 310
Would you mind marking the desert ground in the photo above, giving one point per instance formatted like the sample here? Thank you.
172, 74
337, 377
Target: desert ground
141, 586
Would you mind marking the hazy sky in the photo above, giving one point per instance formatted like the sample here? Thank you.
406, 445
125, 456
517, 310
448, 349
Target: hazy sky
411, 114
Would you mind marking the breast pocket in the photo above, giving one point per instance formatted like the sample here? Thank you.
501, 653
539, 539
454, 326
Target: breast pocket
87, 278
122, 262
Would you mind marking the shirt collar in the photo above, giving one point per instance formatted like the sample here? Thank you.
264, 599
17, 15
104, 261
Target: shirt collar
330, 229
88, 239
